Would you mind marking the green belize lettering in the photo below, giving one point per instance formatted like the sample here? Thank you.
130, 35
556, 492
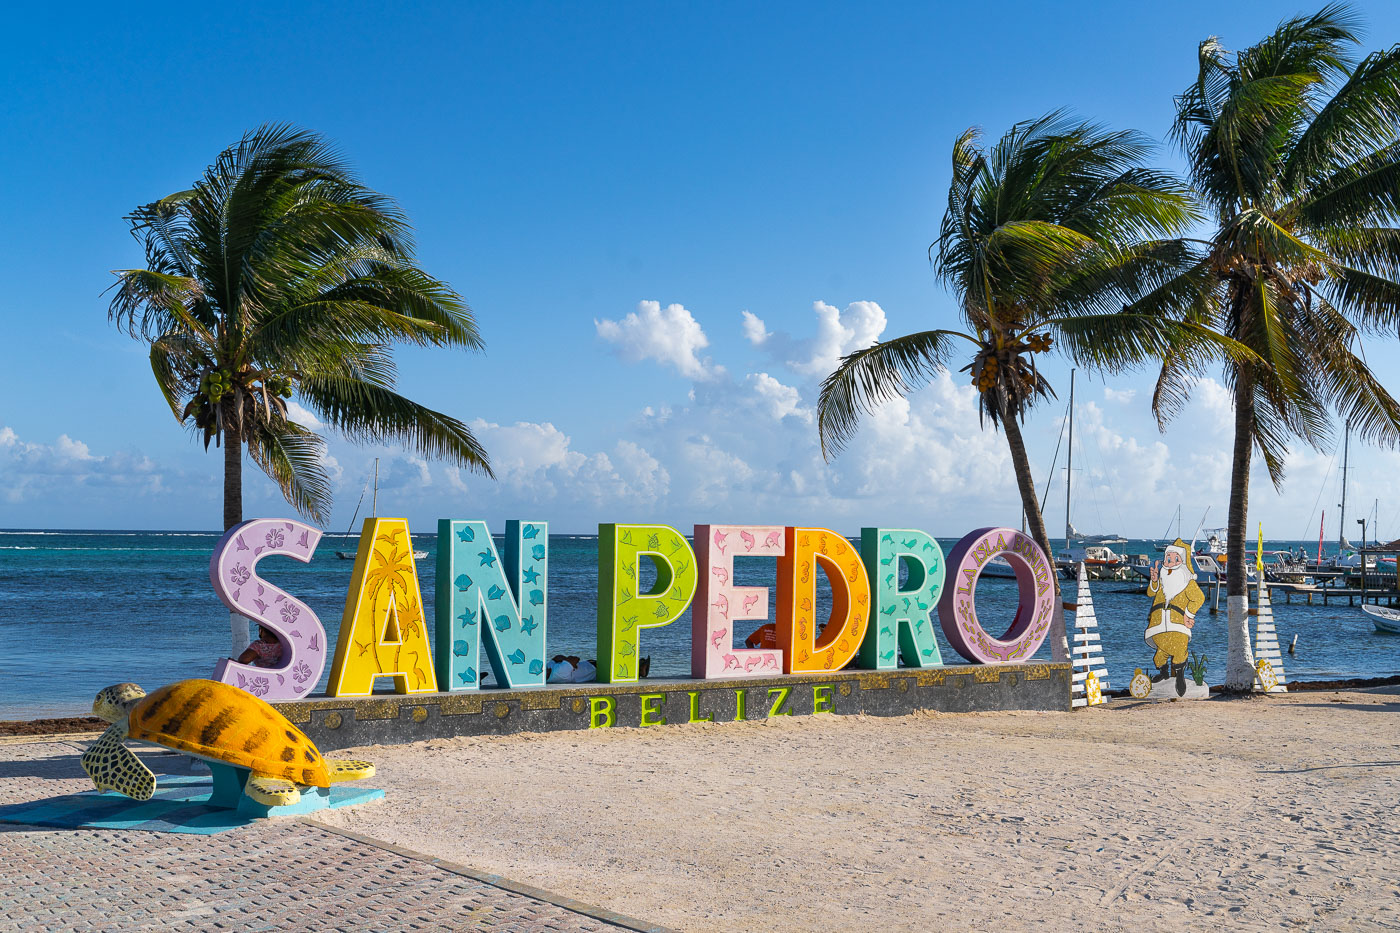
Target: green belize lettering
695, 709
821, 698
602, 712
739, 698
779, 707
652, 704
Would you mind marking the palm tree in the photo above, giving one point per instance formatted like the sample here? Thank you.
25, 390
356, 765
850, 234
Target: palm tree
1294, 151
1044, 237
279, 274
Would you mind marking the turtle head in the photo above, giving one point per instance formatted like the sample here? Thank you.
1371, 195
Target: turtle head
114, 702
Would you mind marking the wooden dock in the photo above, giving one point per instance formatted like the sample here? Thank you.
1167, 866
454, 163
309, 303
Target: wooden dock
1389, 597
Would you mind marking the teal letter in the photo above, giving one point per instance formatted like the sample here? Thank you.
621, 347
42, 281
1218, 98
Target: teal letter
482, 600
900, 620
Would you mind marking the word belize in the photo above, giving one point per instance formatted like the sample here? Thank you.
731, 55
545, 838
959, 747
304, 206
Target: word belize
497, 605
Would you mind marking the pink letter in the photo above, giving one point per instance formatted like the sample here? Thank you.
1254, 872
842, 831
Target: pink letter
719, 604
233, 572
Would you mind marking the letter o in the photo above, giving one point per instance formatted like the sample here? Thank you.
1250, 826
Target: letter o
957, 608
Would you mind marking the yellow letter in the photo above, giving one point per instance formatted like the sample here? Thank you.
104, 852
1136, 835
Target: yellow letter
383, 632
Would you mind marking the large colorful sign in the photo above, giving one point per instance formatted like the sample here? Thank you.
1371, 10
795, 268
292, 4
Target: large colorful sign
491, 608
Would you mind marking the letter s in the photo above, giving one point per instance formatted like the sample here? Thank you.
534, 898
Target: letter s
233, 573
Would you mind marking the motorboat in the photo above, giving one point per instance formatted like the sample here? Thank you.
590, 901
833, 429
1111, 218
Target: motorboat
1384, 618
1100, 561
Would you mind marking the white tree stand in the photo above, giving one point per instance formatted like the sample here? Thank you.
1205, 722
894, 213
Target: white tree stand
1266, 642
1086, 653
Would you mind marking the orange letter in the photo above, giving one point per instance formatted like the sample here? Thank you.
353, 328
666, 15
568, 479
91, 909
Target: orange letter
804, 652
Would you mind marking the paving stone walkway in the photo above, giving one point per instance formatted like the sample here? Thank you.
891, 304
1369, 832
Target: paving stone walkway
286, 874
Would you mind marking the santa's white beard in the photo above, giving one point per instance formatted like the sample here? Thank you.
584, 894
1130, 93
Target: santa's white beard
1174, 581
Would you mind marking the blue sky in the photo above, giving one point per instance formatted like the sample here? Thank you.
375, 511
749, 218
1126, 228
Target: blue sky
565, 165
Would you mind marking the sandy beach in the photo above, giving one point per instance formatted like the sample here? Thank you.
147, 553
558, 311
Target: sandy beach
1257, 813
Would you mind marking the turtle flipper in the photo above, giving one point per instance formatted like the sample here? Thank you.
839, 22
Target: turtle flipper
112, 765
272, 791
349, 770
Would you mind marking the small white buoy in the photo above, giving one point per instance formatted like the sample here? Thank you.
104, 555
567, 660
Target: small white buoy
1293, 644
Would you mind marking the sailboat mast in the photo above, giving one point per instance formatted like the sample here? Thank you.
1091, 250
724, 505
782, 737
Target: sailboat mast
374, 503
1346, 457
1069, 458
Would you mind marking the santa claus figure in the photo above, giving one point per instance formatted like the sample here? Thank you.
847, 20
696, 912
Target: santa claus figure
1176, 598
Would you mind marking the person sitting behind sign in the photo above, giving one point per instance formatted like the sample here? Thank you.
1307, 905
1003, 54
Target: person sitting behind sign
766, 635
265, 651
568, 669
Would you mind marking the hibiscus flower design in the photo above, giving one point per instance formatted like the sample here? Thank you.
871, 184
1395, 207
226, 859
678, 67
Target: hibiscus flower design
274, 538
259, 686
240, 574
302, 672
290, 613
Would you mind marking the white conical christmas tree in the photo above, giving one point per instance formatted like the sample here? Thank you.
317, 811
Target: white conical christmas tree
1090, 673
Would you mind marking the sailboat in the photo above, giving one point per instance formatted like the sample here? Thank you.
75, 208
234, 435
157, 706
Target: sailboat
1090, 550
374, 512
1167, 535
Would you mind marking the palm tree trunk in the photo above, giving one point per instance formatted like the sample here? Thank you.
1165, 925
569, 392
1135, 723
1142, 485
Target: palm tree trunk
1239, 664
1030, 503
233, 515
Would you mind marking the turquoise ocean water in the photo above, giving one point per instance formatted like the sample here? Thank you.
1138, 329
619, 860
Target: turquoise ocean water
81, 610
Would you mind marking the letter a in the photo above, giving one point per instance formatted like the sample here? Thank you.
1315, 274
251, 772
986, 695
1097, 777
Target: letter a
383, 632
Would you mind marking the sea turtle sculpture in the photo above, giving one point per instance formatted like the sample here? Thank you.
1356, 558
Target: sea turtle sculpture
215, 722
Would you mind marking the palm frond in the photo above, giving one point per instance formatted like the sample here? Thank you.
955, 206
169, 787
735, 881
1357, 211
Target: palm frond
867, 378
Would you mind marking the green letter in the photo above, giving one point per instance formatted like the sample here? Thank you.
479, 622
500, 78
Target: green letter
821, 698
695, 709
600, 712
778, 708
623, 608
650, 709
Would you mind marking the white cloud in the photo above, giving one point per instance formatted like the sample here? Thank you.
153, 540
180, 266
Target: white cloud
1121, 396
755, 331
839, 333
778, 400
67, 471
302, 416
537, 461
669, 335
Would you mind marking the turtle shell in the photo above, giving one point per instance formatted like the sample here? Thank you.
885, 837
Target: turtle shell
219, 721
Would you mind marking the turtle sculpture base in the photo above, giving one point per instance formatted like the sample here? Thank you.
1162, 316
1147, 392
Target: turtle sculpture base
228, 793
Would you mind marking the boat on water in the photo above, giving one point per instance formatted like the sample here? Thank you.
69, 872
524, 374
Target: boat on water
1078, 537
1166, 541
373, 513
1093, 551
1385, 619
1100, 561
